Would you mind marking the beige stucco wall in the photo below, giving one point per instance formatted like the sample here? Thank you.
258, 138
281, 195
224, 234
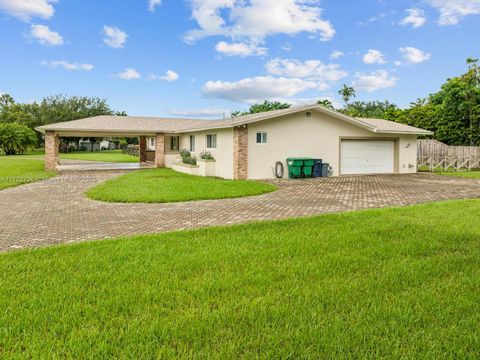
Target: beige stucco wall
317, 136
223, 154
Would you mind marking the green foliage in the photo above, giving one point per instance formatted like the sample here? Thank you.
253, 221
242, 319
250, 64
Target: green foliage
347, 92
326, 104
369, 109
206, 155
259, 108
16, 138
187, 157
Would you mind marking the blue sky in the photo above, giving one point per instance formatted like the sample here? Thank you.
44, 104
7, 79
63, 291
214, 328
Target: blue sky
196, 58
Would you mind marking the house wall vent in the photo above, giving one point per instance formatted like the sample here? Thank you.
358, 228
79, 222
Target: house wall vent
308, 114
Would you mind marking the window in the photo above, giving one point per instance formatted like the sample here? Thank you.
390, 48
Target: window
212, 141
151, 142
174, 140
192, 143
261, 138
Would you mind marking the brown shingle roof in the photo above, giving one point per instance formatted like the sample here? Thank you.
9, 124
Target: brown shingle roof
143, 125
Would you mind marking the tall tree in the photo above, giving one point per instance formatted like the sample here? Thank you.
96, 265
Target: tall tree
347, 92
326, 104
259, 108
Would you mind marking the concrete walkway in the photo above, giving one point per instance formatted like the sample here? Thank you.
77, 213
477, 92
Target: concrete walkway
56, 211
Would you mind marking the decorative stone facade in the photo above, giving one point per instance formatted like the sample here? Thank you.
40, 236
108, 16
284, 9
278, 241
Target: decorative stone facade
143, 148
160, 150
52, 144
240, 152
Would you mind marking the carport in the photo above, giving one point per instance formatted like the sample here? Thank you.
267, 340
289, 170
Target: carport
105, 126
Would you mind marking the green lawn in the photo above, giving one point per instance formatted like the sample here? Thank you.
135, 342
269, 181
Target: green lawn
104, 156
465, 174
17, 170
391, 283
166, 185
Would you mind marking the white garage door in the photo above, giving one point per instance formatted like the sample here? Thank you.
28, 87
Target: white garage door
367, 157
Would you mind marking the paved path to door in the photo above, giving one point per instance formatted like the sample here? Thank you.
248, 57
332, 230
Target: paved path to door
56, 211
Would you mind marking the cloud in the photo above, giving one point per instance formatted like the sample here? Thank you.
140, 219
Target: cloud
44, 35
169, 76
414, 55
311, 69
258, 19
336, 55
240, 49
67, 65
253, 90
27, 9
374, 57
376, 80
152, 4
114, 37
416, 18
129, 74
452, 11
201, 113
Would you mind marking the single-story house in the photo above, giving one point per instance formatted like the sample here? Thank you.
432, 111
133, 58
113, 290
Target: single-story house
249, 146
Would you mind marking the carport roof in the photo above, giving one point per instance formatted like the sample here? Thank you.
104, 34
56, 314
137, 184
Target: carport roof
135, 125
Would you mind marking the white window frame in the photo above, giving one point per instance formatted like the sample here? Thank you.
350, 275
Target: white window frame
192, 143
177, 147
213, 141
263, 138
151, 143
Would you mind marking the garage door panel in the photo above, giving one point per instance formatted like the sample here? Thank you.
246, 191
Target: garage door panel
367, 157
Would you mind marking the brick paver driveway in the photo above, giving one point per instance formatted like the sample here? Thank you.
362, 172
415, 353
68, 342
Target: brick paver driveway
56, 211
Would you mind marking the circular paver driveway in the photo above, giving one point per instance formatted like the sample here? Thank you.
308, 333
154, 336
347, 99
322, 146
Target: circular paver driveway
56, 211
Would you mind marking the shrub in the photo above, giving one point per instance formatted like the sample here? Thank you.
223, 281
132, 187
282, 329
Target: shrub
206, 155
16, 138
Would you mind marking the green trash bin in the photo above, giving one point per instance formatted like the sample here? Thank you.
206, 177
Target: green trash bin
307, 169
294, 168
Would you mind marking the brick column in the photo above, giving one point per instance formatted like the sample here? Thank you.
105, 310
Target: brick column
160, 151
240, 152
142, 140
52, 144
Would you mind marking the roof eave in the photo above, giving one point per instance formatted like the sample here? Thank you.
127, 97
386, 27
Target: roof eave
404, 132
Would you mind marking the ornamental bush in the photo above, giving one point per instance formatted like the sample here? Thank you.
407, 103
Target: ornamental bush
16, 138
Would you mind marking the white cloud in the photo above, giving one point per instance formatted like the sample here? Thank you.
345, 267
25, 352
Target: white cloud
27, 9
416, 18
452, 11
240, 49
44, 35
414, 55
114, 37
311, 69
152, 4
169, 76
201, 113
255, 20
252, 90
376, 80
67, 65
129, 74
336, 55
374, 57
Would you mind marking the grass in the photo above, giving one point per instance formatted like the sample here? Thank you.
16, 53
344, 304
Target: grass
16, 171
391, 283
103, 156
166, 185
464, 174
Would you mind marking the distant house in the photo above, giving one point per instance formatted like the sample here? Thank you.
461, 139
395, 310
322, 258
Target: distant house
249, 146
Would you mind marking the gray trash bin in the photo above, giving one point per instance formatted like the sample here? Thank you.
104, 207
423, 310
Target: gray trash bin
325, 167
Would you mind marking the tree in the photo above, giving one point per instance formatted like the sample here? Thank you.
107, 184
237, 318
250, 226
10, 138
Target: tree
16, 138
347, 92
259, 108
326, 104
369, 109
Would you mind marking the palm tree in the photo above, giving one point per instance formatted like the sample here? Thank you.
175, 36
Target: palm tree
347, 92
325, 103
